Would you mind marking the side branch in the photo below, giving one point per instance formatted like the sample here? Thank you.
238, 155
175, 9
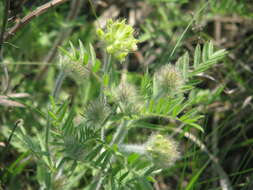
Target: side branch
40, 10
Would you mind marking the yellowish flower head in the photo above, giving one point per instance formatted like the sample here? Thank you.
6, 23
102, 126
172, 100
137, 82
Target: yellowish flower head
118, 38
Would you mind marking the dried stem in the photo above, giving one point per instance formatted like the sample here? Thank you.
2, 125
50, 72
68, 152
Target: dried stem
25, 20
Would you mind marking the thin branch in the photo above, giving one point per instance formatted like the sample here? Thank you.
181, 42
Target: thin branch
25, 20
58, 84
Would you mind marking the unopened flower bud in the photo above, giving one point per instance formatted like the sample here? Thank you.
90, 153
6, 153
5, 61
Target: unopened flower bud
168, 80
96, 112
74, 63
127, 97
162, 150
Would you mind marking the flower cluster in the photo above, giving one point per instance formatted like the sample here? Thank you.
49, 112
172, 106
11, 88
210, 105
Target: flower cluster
162, 150
118, 38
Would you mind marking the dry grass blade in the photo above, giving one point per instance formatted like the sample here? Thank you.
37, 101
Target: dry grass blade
5, 101
15, 95
10, 103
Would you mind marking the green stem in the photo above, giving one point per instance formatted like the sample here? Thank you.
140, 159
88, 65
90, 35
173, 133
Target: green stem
117, 138
187, 28
47, 140
4, 23
3, 29
107, 72
121, 131
58, 84
106, 69
6, 149
107, 64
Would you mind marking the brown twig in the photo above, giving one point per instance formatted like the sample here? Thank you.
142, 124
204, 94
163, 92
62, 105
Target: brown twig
40, 10
217, 31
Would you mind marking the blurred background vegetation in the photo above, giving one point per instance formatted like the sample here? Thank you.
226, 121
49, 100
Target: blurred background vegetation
166, 29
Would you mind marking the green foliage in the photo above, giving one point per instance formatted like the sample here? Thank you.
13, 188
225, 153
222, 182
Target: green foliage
157, 121
66, 145
241, 7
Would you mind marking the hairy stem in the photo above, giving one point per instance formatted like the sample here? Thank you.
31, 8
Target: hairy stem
116, 139
106, 70
132, 148
121, 130
58, 83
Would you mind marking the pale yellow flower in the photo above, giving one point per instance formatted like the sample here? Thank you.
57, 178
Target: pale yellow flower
118, 38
